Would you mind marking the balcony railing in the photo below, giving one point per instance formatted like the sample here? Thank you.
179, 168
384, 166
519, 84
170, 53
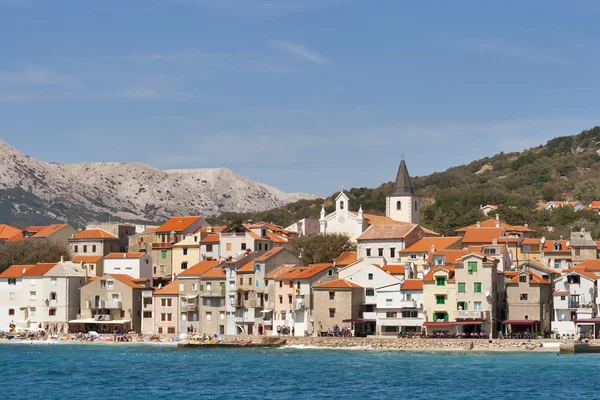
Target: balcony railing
578, 304
369, 315
102, 317
407, 304
214, 292
117, 305
162, 245
464, 314
189, 307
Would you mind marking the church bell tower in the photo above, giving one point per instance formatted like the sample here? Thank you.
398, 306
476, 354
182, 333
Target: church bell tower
403, 205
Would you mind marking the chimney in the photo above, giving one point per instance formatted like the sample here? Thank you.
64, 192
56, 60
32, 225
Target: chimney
62, 259
479, 224
526, 225
497, 220
249, 222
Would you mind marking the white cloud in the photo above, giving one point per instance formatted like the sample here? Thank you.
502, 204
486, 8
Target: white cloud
299, 50
35, 76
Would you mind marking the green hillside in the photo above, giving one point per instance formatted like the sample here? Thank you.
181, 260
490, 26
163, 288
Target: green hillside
451, 199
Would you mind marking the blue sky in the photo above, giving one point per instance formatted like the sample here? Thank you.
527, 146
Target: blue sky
304, 95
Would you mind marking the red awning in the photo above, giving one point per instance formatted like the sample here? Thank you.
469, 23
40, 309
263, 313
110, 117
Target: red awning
588, 321
461, 323
357, 320
438, 324
520, 322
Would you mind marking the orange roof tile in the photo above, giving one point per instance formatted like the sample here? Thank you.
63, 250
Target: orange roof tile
346, 258
94, 234
380, 232
169, 290
590, 265
594, 205
581, 271
15, 271
49, 230
210, 238
124, 255
200, 268
394, 269
281, 270
293, 273
560, 292
213, 229
337, 284
276, 238
39, 269
314, 269
424, 245
7, 231
412, 284
269, 254
530, 241
127, 280
88, 259
215, 273
450, 256
432, 271
533, 278
491, 223
563, 248
482, 235
248, 267
177, 224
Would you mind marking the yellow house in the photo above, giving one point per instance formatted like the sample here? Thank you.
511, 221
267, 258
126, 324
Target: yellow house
439, 299
416, 256
186, 253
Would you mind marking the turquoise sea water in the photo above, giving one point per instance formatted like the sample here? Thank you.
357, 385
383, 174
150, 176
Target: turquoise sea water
37, 371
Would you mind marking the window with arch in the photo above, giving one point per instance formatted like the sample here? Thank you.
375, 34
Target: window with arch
398, 205
341, 205
556, 246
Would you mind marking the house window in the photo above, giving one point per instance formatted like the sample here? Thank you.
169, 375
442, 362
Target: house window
52, 295
398, 205
573, 279
169, 317
209, 302
577, 252
391, 314
259, 246
194, 287
184, 265
280, 299
489, 251
526, 248
208, 315
416, 206
556, 246
171, 329
32, 295
477, 305
523, 296
414, 314
11, 311
368, 252
181, 287
331, 295
341, 205
163, 302
110, 284
228, 246
243, 246
32, 311
209, 248
163, 317
332, 313
461, 287
413, 256
85, 248
330, 272
440, 299
523, 278
12, 281
388, 302
169, 302
477, 287
51, 312
290, 298
93, 248
147, 314
370, 292
370, 277
160, 330
75, 249
53, 281
163, 254
250, 281
440, 281
298, 285
557, 265
256, 267
185, 251
472, 266
241, 281
380, 252
392, 252
563, 297
12, 295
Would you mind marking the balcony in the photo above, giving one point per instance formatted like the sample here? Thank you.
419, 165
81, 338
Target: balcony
578, 305
102, 317
372, 315
215, 292
407, 304
104, 304
189, 307
464, 314
167, 245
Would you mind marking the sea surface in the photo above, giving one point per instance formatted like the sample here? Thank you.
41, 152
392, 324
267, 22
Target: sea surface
39, 371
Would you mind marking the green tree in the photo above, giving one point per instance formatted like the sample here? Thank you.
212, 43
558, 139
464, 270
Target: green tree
321, 248
28, 252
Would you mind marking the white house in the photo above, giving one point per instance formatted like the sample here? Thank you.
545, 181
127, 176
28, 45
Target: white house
400, 308
304, 227
136, 265
574, 302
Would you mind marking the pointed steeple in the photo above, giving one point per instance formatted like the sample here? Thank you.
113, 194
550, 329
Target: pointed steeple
402, 186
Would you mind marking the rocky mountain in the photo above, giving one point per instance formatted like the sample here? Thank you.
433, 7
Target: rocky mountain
35, 192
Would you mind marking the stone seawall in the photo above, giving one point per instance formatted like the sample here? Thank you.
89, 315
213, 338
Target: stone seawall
420, 344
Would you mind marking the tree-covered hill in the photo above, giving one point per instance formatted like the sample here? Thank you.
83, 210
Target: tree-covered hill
451, 199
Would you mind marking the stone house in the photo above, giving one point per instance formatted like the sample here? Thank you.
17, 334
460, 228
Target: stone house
94, 242
166, 309
528, 303
338, 303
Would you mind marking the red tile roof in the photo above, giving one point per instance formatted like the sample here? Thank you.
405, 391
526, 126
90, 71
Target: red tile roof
279, 271
311, 270
87, 259
394, 269
424, 245
210, 238
177, 224
15, 271
590, 265
381, 232
450, 256
482, 235
346, 258
430, 275
124, 255
39, 269
549, 246
217, 272
531, 241
412, 284
7, 231
200, 268
533, 278
269, 254
582, 272
49, 230
337, 284
491, 223
127, 280
560, 292
94, 234
248, 267
169, 290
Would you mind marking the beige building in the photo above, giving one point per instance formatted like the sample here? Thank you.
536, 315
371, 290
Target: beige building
338, 303
173, 231
186, 253
166, 309
583, 247
56, 232
528, 303
212, 305
142, 241
94, 242
439, 298
109, 303
190, 291
120, 230
93, 265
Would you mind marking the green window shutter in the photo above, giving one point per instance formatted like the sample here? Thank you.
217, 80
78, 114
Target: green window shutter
440, 281
477, 287
201, 288
472, 266
440, 299
445, 317
461, 287
164, 254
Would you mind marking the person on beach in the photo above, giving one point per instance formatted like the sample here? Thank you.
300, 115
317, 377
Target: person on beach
293, 331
